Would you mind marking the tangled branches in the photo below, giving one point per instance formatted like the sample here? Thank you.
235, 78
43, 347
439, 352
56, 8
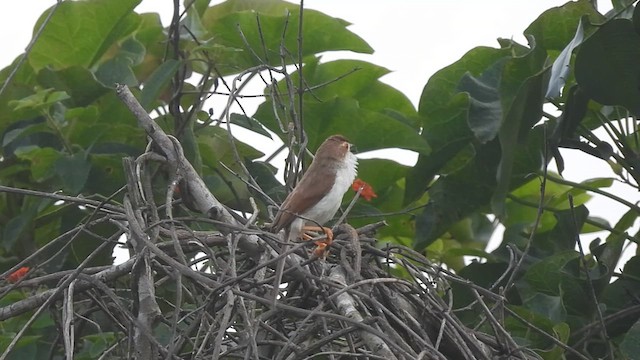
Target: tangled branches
193, 294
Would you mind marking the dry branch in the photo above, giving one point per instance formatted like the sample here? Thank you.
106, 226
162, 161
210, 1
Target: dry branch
348, 305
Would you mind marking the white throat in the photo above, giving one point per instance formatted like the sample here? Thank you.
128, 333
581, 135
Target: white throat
327, 207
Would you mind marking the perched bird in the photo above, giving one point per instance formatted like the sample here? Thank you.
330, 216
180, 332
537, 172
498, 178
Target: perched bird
318, 195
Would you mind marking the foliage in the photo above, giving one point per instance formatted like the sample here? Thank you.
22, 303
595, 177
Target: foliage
483, 131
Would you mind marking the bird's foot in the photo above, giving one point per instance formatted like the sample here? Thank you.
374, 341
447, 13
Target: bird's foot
322, 246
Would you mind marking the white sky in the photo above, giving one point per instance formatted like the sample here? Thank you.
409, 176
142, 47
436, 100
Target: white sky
413, 38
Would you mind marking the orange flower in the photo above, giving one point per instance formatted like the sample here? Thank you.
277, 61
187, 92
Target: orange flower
367, 191
15, 276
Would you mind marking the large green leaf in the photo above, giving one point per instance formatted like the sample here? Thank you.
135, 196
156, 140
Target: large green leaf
549, 306
444, 111
380, 173
119, 68
355, 79
455, 196
544, 276
78, 82
448, 134
41, 100
88, 130
22, 86
41, 160
606, 78
630, 346
485, 110
85, 242
522, 90
261, 28
555, 27
621, 295
157, 82
216, 147
80, 32
73, 171
383, 176
510, 110
357, 101
368, 130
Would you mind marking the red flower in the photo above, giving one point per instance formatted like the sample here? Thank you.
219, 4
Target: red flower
15, 276
367, 191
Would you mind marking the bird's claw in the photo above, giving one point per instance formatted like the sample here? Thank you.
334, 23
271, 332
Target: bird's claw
322, 246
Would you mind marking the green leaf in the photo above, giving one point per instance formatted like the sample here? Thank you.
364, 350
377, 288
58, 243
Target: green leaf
101, 23
635, 18
560, 68
348, 97
444, 112
85, 242
610, 252
106, 175
543, 276
381, 173
73, 171
264, 174
42, 161
630, 345
345, 116
157, 82
80, 83
132, 50
193, 23
216, 147
22, 224
114, 136
548, 306
555, 28
220, 148
116, 71
443, 85
611, 80
249, 123
522, 90
28, 133
42, 99
456, 196
485, 110
447, 136
22, 85
621, 295
522, 333
354, 79
25, 348
235, 25
14, 229
481, 274
575, 109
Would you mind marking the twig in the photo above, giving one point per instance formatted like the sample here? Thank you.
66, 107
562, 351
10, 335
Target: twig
592, 291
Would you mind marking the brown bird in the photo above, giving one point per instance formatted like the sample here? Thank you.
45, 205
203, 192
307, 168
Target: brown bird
318, 195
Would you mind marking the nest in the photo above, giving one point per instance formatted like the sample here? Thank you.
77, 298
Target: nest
185, 294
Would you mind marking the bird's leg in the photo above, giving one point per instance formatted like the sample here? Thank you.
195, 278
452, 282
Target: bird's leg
321, 245
327, 231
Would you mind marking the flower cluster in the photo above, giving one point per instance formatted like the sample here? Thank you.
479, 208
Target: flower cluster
367, 191
15, 276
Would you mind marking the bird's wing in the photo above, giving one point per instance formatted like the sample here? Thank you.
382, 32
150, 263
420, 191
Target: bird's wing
298, 202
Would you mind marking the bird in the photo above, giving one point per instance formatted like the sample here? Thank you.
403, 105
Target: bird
318, 195
316, 198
